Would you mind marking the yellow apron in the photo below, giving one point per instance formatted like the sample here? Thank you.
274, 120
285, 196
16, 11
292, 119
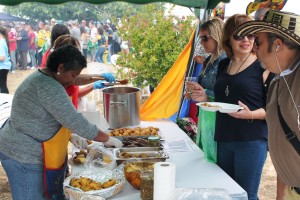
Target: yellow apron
55, 158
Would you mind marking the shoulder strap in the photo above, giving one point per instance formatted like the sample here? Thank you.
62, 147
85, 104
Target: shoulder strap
290, 135
4, 123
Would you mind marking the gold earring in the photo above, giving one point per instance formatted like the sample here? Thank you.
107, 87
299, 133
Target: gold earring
58, 73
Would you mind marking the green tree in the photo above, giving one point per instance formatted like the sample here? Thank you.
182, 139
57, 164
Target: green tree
155, 44
72, 10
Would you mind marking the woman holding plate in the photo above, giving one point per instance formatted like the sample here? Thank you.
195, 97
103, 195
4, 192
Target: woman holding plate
210, 34
241, 136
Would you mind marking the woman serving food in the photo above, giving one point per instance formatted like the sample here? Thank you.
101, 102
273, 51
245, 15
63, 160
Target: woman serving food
33, 142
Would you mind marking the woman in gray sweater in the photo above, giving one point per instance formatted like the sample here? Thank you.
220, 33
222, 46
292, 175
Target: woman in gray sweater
33, 142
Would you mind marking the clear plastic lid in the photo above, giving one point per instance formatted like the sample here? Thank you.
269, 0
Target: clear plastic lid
154, 138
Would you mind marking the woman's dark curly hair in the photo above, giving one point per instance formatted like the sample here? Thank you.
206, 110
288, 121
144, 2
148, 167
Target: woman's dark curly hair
70, 56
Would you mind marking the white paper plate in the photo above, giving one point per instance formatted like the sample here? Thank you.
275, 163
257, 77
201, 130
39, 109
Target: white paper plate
218, 106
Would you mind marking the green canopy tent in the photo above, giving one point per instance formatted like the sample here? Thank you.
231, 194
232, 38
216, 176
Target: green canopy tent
206, 4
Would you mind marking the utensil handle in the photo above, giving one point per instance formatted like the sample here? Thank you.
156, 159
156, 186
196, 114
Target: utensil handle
111, 84
98, 78
118, 102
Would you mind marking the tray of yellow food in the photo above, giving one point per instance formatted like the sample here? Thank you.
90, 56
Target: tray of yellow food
105, 184
219, 106
134, 131
140, 153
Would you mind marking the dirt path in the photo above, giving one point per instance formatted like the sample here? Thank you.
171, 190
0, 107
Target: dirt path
267, 190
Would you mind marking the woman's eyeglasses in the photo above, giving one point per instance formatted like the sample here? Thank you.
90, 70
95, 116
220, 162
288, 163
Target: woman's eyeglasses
204, 38
240, 38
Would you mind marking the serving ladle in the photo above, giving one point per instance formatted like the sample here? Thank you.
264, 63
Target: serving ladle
118, 82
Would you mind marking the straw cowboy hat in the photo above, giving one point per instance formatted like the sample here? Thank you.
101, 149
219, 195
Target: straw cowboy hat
281, 23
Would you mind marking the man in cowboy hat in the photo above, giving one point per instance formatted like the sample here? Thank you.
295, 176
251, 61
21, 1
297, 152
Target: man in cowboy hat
277, 45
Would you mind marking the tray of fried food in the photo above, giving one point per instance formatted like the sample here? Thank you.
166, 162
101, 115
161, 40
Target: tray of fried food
140, 153
105, 183
87, 184
135, 131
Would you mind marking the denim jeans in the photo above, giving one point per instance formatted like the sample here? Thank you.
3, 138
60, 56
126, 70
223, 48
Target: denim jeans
99, 54
243, 161
25, 180
13, 60
109, 54
32, 57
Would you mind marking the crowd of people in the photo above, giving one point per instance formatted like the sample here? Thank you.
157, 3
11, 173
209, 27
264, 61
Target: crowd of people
28, 43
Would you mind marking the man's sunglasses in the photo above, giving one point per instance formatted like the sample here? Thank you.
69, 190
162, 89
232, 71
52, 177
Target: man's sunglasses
240, 38
257, 43
204, 38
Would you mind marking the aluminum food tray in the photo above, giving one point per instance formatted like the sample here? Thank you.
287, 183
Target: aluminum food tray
138, 136
153, 154
143, 136
126, 137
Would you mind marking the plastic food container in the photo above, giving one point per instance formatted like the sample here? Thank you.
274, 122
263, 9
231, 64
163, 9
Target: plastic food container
147, 181
155, 154
154, 141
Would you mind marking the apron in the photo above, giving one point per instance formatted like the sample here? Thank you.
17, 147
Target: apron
55, 161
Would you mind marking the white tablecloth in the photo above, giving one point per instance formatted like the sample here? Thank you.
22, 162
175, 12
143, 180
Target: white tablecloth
192, 170
5, 107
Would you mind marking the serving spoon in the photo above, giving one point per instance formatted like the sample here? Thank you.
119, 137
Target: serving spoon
120, 82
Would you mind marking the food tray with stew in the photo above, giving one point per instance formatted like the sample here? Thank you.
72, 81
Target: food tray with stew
140, 153
135, 141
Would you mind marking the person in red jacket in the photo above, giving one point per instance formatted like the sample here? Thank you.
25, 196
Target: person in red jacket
73, 90
60, 36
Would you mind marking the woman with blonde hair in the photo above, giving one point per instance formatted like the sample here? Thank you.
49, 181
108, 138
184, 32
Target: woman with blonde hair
210, 34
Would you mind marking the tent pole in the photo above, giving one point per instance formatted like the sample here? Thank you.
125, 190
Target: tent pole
191, 62
191, 65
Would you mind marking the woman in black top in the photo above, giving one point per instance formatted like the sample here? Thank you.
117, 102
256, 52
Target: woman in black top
241, 136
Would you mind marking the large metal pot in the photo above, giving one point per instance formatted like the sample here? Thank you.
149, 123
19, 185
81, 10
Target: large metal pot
121, 106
